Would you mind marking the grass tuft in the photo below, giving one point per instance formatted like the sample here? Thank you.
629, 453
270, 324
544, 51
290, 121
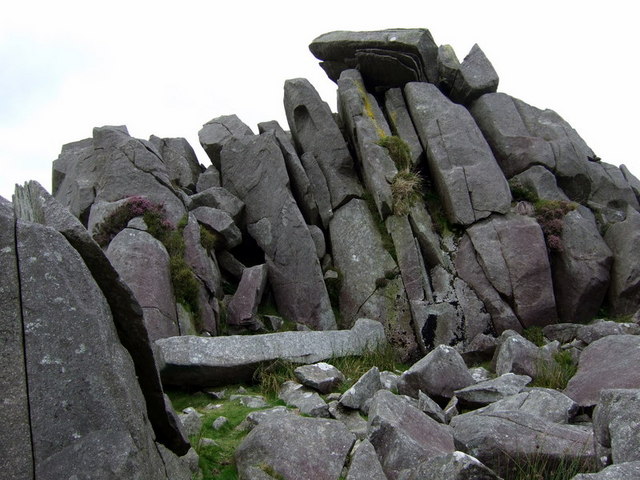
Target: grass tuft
406, 191
555, 373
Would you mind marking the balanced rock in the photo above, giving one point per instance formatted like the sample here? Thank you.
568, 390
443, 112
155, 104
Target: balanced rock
475, 77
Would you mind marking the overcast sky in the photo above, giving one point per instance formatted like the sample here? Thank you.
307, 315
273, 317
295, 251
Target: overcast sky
165, 68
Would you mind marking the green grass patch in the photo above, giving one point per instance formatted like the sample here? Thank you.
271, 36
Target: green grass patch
542, 468
555, 373
534, 335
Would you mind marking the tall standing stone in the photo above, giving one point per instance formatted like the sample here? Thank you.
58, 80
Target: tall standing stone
253, 169
463, 168
315, 131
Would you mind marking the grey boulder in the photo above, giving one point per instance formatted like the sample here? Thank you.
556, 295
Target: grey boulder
364, 463
621, 471
295, 447
217, 132
320, 376
360, 394
489, 391
453, 466
616, 422
304, 399
475, 77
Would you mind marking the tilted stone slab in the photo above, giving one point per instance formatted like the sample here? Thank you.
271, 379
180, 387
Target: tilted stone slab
209, 361
33, 203
370, 285
541, 182
244, 305
465, 172
220, 198
253, 169
143, 263
295, 447
623, 238
610, 362
386, 58
315, 131
364, 463
621, 471
221, 222
86, 406
489, 391
581, 269
217, 132
401, 124
515, 148
616, 421
475, 77
300, 183
15, 435
453, 466
180, 159
404, 436
504, 440
365, 126
448, 68
513, 255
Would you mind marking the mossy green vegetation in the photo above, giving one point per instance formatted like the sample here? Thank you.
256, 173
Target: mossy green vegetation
550, 215
540, 467
520, 193
406, 186
387, 241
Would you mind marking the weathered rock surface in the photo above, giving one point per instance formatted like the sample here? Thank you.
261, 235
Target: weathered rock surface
295, 447
491, 438
320, 376
403, 436
366, 266
438, 374
143, 263
581, 269
453, 466
217, 132
512, 253
465, 172
386, 58
616, 420
315, 132
208, 361
180, 159
401, 124
475, 77
33, 203
622, 471
359, 395
365, 125
244, 304
306, 400
81, 413
606, 363
518, 355
365, 464
221, 199
253, 169
623, 239
490, 391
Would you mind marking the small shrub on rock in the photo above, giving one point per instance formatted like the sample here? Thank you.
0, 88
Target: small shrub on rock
406, 186
135, 206
550, 215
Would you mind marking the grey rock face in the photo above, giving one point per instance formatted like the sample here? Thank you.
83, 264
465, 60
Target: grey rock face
541, 182
623, 239
401, 124
365, 125
616, 420
217, 132
403, 436
15, 435
490, 391
204, 265
502, 124
208, 179
143, 263
590, 333
622, 471
319, 376
468, 179
513, 256
516, 354
360, 394
359, 254
448, 68
428, 239
295, 447
315, 131
491, 438
191, 421
81, 413
386, 58
256, 418
365, 464
33, 203
581, 270
304, 399
300, 183
475, 77
221, 222
244, 304
431, 408
453, 466
209, 361
180, 159
253, 169
221, 199
439, 374
606, 363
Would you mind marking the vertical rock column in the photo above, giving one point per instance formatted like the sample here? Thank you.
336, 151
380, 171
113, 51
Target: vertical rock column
253, 169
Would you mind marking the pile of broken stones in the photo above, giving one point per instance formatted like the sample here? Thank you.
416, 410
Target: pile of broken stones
301, 228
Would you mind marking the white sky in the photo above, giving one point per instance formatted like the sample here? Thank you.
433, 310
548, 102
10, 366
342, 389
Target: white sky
165, 68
